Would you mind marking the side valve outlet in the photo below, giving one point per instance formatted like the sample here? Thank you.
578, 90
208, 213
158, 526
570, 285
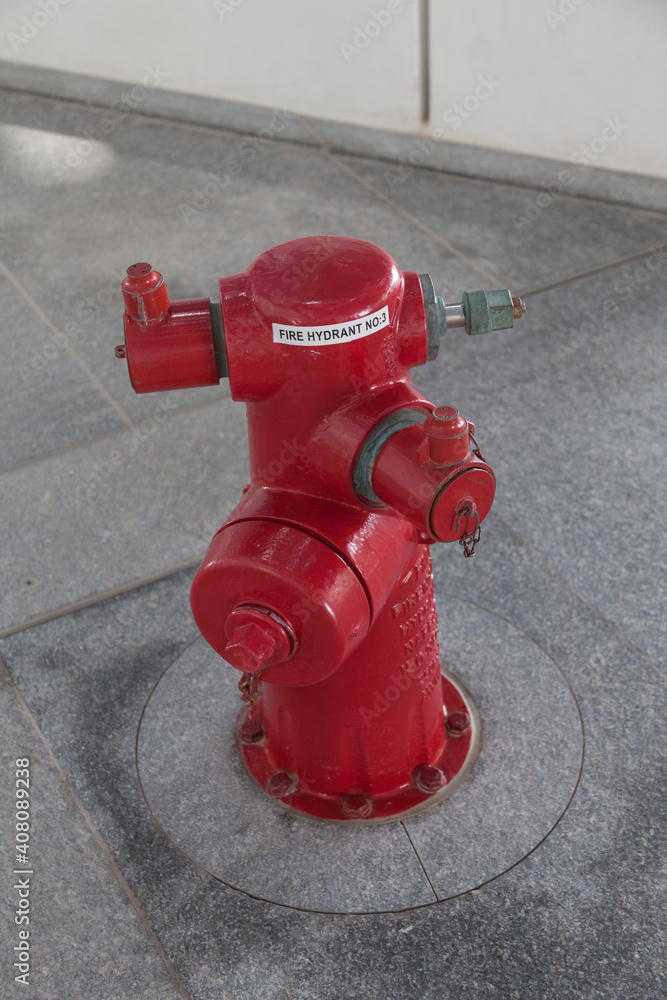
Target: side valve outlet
478, 312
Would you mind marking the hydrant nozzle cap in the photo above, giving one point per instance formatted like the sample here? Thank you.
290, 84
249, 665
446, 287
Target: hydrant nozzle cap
445, 413
446, 437
445, 423
145, 294
139, 270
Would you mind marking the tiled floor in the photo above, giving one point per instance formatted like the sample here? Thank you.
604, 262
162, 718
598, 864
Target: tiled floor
109, 500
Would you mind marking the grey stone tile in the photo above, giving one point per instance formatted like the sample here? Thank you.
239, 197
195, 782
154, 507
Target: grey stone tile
119, 508
507, 232
85, 939
46, 400
579, 917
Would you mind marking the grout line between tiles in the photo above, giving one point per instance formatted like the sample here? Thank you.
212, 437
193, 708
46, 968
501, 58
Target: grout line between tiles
426, 874
66, 345
93, 439
512, 185
344, 168
596, 269
98, 598
101, 843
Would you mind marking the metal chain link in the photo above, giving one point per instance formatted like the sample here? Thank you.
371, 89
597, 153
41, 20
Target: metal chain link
469, 541
249, 687
476, 450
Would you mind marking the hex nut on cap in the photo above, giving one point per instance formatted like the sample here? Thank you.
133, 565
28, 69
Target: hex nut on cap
256, 638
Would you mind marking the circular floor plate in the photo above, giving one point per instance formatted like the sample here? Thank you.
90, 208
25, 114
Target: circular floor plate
458, 759
201, 796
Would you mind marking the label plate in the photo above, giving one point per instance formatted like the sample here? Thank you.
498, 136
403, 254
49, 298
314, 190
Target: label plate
332, 334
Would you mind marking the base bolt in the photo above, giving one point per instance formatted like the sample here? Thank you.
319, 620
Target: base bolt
428, 778
281, 784
457, 724
356, 805
252, 731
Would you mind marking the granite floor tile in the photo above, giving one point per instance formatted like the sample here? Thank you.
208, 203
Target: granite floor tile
579, 917
120, 508
85, 938
46, 400
504, 230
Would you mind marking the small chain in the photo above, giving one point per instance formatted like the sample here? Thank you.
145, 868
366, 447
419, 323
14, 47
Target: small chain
476, 450
470, 541
249, 688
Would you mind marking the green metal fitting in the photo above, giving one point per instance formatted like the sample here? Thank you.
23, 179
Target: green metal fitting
487, 311
434, 308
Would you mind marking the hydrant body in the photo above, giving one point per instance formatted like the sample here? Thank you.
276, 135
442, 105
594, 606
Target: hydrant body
319, 586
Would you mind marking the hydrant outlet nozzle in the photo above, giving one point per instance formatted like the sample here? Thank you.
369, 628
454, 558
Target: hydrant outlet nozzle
478, 312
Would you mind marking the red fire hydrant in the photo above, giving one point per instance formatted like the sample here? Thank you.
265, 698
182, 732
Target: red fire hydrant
318, 587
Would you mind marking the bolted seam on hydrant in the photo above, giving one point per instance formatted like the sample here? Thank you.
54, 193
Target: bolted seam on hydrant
318, 587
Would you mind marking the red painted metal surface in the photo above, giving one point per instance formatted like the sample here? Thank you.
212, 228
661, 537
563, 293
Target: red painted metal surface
167, 345
319, 585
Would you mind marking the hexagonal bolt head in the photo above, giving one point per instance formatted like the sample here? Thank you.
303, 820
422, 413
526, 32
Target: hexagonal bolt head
251, 731
281, 784
356, 805
250, 647
428, 778
457, 724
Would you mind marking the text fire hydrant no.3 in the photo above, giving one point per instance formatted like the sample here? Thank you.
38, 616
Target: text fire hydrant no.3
318, 587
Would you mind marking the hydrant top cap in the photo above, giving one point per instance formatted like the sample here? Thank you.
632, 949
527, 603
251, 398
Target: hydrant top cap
335, 274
